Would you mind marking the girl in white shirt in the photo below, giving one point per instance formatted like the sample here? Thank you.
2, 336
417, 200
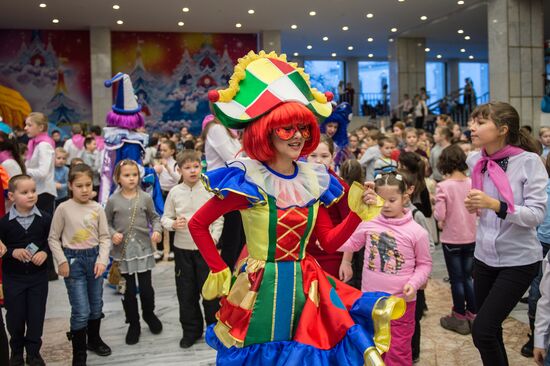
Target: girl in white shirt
221, 146
169, 177
40, 160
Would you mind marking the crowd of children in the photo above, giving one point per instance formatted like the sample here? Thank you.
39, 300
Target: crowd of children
480, 193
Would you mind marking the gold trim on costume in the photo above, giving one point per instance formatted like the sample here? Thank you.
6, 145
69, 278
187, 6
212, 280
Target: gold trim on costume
372, 357
239, 73
313, 292
217, 284
386, 309
222, 332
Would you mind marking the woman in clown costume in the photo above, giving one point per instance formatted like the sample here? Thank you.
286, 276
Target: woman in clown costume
279, 307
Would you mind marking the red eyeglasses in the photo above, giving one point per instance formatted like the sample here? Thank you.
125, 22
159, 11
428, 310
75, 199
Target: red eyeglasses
285, 133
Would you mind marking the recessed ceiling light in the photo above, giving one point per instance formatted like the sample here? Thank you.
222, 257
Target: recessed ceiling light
371, 55
312, 13
390, 40
185, 10
309, 47
462, 50
251, 11
427, 49
116, 7
294, 26
370, 39
345, 28
55, 21
467, 38
296, 54
394, 30
119, 22
42, 5
181, 24
350, 48
370, 15
471, 57
460, 31
423, 17
401, 1
438, 56
419, 44
238, 25
333, 54
460, 2
325, 38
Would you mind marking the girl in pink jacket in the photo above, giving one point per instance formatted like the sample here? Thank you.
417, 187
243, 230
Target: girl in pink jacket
397, 260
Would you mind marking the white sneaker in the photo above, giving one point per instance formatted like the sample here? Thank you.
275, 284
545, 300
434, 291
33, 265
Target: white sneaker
158, 255
171, 256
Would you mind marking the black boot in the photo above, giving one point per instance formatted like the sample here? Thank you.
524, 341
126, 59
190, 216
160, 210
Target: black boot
132, 317
148, 307
95, 343
78, 339
527, 349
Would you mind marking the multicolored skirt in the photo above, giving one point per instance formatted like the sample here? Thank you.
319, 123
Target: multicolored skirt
293, 313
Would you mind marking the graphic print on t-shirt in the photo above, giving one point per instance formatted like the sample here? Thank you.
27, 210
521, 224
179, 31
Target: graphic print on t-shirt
383, 248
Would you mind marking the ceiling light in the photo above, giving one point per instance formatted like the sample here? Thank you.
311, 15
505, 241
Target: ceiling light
371, 55
294, 26
345, 28
467, 38
394, 30
238, 25
438, 56
333, 54
471, 57
312, 13
309, 47
251, 11
370, 15
460, 31
42, 5
390, 40
350, 48
325, 38
185, 10
427, 49
401, 1
462, 50
370, 39
119, 22
181, 24
460, 2
296, 54
419, 44
116, 7
55, 21
423, 17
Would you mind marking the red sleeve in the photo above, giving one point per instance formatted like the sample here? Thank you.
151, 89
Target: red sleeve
202, 219
330, 237
342, 205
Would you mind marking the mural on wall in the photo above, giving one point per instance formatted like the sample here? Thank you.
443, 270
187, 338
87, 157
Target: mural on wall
172, 72
51, 70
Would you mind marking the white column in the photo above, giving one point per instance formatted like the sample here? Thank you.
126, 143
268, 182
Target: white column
352, 76
100, 60
453, 84
516, 56
407, 67
270, 40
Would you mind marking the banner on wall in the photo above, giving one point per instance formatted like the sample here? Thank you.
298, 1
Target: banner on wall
172, 72
51, 70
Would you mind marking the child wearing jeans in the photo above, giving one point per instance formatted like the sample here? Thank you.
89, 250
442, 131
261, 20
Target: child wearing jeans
397, 260
458, 234
79, 240
181, 204
24, 231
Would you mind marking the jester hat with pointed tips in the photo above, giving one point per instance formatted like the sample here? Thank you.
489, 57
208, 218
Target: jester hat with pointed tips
260, 83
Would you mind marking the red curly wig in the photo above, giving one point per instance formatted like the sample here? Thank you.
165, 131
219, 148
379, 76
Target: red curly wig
257, 135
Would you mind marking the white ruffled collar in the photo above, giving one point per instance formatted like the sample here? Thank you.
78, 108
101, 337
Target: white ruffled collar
305, 186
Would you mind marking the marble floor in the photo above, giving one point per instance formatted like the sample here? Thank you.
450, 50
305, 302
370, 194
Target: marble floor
439, 347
